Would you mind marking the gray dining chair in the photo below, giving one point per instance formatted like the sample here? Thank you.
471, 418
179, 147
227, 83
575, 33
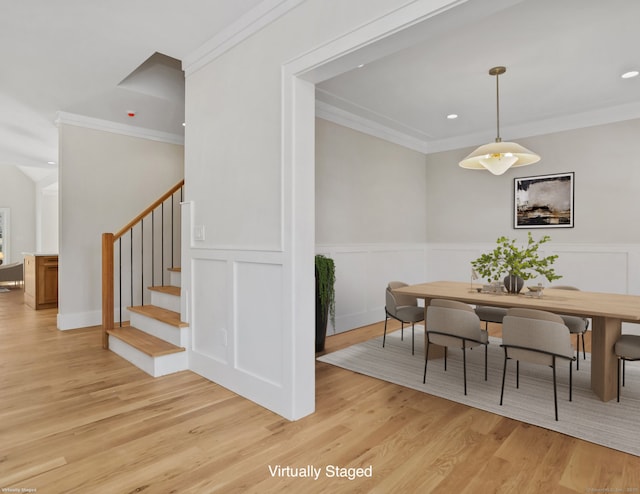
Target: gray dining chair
577, 325
403, 308
454, 324
489, 314
626, 348
537, 337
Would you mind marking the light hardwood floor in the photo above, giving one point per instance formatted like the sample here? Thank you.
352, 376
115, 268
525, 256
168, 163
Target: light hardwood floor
78, 419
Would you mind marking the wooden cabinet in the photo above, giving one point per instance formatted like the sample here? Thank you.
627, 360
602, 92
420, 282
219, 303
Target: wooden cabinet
41, 281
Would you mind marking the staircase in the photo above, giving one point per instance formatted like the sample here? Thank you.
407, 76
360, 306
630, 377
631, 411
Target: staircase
155, 339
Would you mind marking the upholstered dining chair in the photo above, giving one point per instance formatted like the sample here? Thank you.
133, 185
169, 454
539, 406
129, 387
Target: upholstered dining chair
577, 325
403, 308
489, 314
537, 337
454, 324
626, 348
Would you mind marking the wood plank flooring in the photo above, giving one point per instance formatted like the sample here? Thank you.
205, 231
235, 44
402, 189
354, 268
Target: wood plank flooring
75, 418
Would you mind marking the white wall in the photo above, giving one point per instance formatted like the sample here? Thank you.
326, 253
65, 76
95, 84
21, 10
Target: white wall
479, 206
464, 211
48, 231
367, 190
105, 180
17, 192
371, 214
601, 253
47, 217
249, 170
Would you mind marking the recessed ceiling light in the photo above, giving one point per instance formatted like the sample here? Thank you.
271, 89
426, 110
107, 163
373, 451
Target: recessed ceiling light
630, 74
361, 65
184, 124
452, 116
51, 162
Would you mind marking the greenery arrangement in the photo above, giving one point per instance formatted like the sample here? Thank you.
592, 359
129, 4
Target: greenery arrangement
510, 259
326, 278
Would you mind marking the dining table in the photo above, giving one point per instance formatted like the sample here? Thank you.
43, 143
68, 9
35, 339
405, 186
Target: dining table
607, 312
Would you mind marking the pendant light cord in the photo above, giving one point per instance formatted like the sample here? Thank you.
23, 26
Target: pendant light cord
498, 138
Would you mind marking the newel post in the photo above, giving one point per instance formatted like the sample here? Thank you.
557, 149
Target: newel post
107, 287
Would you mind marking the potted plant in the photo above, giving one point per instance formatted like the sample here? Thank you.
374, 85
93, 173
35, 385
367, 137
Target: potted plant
518, 263
325, 298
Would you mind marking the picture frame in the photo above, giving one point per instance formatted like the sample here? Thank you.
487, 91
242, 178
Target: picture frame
544, 201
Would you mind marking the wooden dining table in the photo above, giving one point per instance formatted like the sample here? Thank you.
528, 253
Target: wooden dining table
606, 310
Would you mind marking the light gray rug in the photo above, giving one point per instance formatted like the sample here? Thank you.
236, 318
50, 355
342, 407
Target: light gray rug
612, 424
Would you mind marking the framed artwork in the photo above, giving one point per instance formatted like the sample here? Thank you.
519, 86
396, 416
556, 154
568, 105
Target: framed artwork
545, 201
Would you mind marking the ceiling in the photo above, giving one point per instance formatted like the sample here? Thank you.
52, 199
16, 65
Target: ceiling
75, 56
104, 59
564, 60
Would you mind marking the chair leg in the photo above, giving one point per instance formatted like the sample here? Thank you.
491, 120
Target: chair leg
384, 337
624, 366
446, 349
577, 351
413, 339
464, 366
555, 392
401, 331
518, 374
485, 362
584, 349
504, 373
426, 359
618, 366
571, 379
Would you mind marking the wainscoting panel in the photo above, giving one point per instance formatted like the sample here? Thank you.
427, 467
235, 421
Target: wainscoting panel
209, 278
596, 271
258, 320
362, 274
363, 271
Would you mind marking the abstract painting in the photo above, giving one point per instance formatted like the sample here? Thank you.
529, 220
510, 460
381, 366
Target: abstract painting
544, 201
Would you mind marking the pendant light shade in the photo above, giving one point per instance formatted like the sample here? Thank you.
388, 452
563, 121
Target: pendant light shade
498, 156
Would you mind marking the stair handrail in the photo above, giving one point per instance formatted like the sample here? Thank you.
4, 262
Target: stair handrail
108, 262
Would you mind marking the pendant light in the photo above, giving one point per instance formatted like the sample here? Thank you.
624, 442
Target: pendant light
498, 156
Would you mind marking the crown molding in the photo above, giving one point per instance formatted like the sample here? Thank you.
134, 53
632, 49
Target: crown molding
562, 123
250, 23
366, 126
117, 128
592, 118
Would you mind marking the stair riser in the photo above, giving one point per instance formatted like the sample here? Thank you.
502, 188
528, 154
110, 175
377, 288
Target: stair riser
166, 332
166, 301
154, 366
175, 278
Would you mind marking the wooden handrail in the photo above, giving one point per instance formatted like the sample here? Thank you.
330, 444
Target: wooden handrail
148, 210
108, 264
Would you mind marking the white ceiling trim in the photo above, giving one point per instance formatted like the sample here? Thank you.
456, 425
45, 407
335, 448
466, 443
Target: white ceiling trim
366, 126
117, 128
542, 127
629, 111
252, 22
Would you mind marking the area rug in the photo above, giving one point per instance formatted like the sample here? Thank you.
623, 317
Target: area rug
611, 424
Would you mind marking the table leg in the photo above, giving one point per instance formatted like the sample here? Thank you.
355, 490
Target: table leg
605, 333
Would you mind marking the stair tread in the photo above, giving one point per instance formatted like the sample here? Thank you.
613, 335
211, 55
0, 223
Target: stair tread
146, 343
169, 289
175, 269
164, 315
